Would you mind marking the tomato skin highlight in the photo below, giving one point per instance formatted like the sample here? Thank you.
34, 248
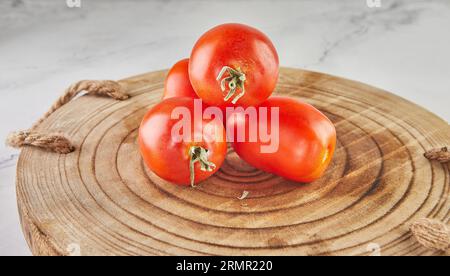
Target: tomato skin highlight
169, 158
307, 141
242, 48
177, 83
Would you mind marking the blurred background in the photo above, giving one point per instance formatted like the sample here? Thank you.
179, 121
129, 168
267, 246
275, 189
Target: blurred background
45, 45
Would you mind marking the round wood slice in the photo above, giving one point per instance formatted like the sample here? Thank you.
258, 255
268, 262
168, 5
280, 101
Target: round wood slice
101, 200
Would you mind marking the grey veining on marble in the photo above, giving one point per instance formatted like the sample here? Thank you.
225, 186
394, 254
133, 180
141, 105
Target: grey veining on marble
402, 47
8, 161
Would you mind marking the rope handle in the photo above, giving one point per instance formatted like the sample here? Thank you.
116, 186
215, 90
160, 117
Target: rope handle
57, 142
432, 234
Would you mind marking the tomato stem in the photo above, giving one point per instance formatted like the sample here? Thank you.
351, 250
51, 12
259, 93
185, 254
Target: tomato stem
199, 154
235, 79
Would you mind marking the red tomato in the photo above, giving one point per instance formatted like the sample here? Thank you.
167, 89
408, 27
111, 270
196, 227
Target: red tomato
306, 139
186, 161
177, 82
233, 64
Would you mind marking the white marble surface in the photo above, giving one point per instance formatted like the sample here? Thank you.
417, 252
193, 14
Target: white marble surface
402, 46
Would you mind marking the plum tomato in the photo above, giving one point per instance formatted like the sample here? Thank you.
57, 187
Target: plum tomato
177, 82
233, 64
177, 145
302, 141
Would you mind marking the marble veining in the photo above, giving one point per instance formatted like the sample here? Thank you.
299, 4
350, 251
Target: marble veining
401, 46
395, 14
8, 161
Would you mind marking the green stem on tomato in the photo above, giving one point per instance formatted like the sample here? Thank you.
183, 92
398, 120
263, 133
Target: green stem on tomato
236, 79
199, 154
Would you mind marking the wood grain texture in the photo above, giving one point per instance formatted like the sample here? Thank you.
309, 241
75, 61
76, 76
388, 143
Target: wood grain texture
102, 197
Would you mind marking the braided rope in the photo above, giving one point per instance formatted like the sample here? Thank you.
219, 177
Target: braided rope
57, 142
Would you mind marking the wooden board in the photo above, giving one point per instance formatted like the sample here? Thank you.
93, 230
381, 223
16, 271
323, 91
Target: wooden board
100, 199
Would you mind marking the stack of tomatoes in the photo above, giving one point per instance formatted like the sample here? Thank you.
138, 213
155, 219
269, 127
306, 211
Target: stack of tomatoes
233, 68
